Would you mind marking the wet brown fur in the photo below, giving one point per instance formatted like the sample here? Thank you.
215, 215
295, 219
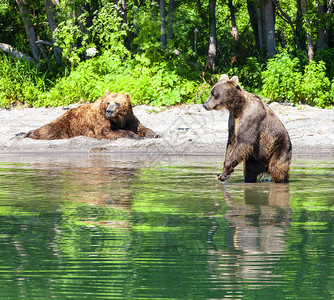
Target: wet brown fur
92, 120
256, 136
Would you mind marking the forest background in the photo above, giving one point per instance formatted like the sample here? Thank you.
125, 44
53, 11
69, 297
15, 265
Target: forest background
164, 52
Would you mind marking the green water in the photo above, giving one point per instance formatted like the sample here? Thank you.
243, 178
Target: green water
98, 228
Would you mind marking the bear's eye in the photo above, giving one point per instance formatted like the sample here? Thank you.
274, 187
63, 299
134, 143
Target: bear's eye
108, 103
117, 104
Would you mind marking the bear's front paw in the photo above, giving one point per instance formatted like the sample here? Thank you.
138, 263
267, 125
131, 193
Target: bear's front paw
151, 134
135, 137
130, 135
223, 176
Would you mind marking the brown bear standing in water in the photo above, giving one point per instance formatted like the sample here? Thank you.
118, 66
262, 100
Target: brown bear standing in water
110, 117
256, 136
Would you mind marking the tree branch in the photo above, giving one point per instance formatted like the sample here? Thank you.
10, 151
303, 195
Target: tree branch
288, 19
16, 53
44, 43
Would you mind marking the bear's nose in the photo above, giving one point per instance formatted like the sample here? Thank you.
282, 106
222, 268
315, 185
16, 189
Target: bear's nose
204, 105
110, 113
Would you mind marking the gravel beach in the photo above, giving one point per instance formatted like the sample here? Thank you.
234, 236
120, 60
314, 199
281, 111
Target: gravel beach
183, 130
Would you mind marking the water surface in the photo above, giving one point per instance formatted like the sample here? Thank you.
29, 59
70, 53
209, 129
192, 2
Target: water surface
98, 227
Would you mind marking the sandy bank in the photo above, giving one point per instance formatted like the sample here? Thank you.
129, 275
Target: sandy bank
184, 130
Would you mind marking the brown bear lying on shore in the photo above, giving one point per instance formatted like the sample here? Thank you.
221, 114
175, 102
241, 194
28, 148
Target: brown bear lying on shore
256, 136
110, 117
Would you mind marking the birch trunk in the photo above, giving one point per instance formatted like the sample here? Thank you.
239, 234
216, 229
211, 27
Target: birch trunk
30, 30
210, 64
163, 36
310, 51
52, 26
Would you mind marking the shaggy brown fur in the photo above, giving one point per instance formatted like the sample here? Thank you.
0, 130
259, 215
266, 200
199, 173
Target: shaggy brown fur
110, 117
256, 136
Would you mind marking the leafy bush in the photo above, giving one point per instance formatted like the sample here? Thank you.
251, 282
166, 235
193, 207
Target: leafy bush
108, 31
249, 74
327, 56
155, 85
158, 84
282, 79
20, 82
147, 42
86, 82
67, 34
316, 87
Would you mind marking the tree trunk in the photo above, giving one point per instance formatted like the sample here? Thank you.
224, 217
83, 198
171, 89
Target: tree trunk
269, 27
321, 29
124, 10
260, 17
234, 30
235, 49
324, 8
78, 13
310, 51
171, 9
254, 21
299, 26
30, 30
52, 26
163, 37
210, 64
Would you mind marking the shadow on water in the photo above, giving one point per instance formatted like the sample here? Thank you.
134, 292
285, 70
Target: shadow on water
96, 227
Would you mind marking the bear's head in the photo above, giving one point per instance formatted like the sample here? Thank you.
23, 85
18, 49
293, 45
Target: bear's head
224, 94
116, 107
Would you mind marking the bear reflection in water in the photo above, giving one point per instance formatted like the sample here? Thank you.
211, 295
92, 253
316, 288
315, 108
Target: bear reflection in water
257, 221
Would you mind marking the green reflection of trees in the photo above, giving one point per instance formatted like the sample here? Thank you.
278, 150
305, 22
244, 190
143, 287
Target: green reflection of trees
305, 271
308, 266
173, 215
55, 233
162, 232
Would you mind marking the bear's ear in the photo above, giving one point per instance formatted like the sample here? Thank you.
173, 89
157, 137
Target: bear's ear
234, 80
127, 97
107, 93
223, 77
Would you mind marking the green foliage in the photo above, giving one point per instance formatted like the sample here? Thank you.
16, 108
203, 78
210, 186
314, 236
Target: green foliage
155, 85
108, 31
20, 82
250, 74
126, 54
282, 79
185, 22
147, 39
327, 56
67, 35
316, 87
87, 82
